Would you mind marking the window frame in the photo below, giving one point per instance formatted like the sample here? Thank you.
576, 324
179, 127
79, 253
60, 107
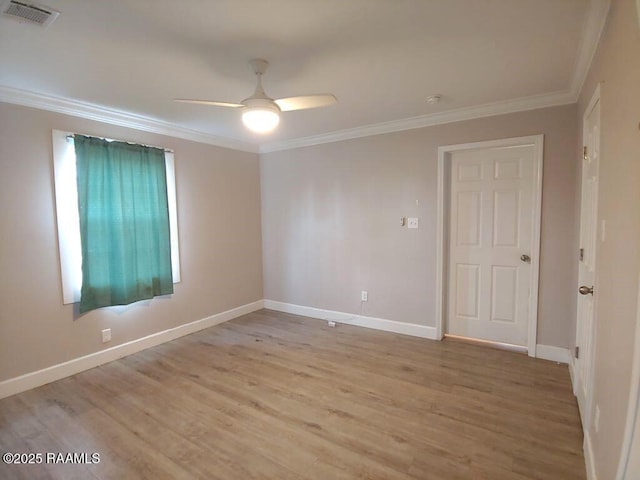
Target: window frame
68, 223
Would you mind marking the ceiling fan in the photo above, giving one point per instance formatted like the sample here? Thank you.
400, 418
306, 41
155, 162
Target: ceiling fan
261, 113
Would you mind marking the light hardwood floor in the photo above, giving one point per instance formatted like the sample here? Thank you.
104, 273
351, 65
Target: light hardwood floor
276, 396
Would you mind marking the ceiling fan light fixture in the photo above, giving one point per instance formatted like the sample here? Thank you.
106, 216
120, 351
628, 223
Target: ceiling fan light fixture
260, 120
262, 117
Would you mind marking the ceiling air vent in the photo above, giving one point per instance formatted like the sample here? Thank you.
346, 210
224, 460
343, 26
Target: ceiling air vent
29, 12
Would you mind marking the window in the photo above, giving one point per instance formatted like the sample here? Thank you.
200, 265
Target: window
69, 220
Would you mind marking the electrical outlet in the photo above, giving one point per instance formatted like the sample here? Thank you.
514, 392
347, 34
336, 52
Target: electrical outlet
596, 419
106, 335
364, 296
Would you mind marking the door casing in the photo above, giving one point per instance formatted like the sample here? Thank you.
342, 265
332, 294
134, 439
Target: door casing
629, 465
444, 162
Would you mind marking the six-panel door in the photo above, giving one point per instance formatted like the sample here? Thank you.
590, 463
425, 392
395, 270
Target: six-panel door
490, 227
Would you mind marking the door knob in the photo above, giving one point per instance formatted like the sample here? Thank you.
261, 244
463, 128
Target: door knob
525, 258
584, 290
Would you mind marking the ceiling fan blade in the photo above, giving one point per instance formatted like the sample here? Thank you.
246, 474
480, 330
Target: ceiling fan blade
305, 101
208, 102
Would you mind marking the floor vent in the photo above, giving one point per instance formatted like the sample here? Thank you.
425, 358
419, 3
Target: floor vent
29, 12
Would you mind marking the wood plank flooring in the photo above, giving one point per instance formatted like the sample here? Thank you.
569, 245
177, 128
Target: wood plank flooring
276, 396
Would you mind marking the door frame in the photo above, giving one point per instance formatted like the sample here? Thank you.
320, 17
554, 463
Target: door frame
442, 232
631, 439
586, 416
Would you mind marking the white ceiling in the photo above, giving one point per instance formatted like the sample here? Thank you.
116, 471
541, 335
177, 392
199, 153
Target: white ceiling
381, 58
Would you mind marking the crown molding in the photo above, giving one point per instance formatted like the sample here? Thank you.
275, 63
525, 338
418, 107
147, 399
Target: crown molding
117, 117
595, 21
592, 29
449, 116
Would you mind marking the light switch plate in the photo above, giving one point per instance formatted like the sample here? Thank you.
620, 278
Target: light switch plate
106, 335
412, 222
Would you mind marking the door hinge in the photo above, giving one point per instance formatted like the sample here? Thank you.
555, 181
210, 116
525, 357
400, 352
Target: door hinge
584, 153
582, 254
577, 352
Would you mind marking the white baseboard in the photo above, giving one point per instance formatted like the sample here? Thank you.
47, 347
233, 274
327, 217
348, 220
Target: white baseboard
555, 354
353, 319
56, 372
589, 460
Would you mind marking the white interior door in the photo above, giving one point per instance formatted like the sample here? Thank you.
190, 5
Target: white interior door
491, 205
583, 362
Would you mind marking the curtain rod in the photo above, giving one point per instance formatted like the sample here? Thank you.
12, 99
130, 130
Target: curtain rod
166, 150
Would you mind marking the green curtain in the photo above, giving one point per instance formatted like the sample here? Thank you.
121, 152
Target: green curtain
124, 223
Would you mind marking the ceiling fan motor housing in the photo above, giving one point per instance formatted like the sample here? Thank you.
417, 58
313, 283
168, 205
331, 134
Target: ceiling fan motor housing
260, 103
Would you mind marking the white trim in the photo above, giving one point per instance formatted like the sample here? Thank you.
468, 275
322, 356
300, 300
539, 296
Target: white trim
80, 364
633, 408
412, 329
444, 154
555, 354
449, 116
130, 120
536, 232
589, 458
595, 98
121, 118
440, 237
592, 29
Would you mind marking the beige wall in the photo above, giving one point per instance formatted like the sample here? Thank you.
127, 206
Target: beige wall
617, 66
330, 219
218, 197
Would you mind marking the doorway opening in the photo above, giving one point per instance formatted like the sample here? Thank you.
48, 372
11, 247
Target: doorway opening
489, 215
